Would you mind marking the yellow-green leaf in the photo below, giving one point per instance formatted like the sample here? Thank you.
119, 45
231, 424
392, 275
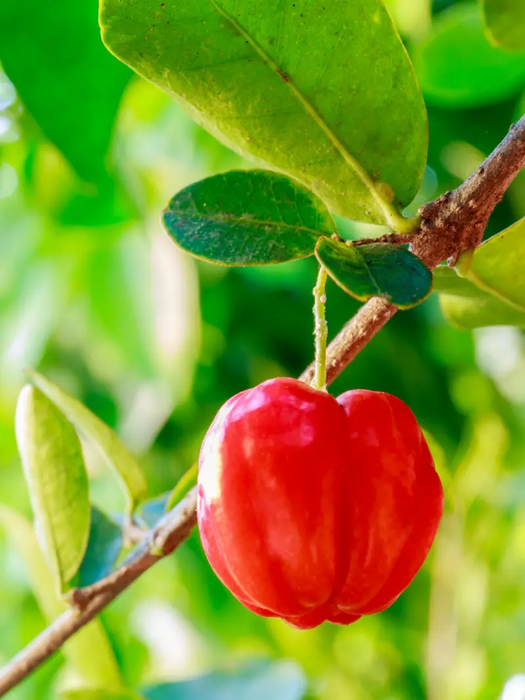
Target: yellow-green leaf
89, 652
115, 452
320, 90
58, 485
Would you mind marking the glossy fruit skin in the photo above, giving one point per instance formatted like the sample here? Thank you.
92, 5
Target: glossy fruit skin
313, 509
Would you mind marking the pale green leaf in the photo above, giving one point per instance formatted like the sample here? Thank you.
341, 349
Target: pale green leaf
58, 485
505, 23
466, 306
117, 455
89, 652
317, 89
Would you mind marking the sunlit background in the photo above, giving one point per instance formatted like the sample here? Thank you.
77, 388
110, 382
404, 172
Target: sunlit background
94, 294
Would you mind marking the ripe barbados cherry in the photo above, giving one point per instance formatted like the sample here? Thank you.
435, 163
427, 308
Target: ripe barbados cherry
312, 508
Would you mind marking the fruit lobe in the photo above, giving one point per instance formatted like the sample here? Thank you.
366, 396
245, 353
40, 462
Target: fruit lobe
312, 508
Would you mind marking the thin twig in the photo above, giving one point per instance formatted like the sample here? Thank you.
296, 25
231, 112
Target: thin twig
168, 534
450, 225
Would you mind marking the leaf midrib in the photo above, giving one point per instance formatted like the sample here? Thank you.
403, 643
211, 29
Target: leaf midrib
390, 213
240, 220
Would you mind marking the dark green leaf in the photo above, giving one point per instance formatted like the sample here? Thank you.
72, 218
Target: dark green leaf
457, 67
104, 546
53, 54
89, 652
184, 484
118, 456
318, 89
505, 23
57, 480
377, 269
247, 218
282, 681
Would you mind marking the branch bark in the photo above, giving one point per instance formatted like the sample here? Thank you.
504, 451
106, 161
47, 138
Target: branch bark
451, 224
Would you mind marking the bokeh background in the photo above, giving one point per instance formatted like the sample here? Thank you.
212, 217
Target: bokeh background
95, 295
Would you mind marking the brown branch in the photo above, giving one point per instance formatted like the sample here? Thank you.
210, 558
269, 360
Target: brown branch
451, 224
168, 534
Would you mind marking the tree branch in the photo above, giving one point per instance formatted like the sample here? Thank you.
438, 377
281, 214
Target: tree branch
450, 225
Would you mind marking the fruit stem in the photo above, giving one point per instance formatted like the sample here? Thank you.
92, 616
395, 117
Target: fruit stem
320, 331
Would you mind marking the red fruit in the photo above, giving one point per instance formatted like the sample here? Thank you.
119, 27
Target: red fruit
312, 508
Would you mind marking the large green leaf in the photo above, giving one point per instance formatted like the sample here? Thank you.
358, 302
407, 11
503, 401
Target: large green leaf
89, 652
320, 90
58, 485
466, 306
457, 66
505, 23
247, 218
377, 269
104, 546
53, 54
117, 455
283, 680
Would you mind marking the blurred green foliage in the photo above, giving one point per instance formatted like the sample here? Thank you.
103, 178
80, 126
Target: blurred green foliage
94, 294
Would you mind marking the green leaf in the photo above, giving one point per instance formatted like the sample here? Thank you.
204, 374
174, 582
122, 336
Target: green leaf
89, 652
493, 293
101, 694
117, 455
57, 480
497, 266
247, 218
104, 546
53, 54
457, 67
377, 269
467, 307
505, 23
183, 486
283, 680
290, 86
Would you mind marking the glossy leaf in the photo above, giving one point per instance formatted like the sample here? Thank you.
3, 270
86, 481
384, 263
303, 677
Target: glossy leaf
247, 218
377, 269
457, 66
53, 54
104, 546
58, 485
301, 87
118, 456
505, 23
89, 652
283, 680
183, 486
